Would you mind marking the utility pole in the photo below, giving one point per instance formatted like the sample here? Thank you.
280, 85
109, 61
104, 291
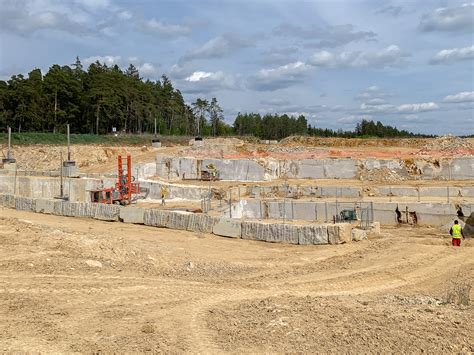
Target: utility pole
69, 164
9, 158
68, 144
61, 188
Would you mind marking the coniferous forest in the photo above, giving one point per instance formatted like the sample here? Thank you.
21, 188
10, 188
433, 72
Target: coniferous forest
100, 98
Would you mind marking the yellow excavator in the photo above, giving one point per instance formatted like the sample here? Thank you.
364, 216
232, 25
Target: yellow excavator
210, 174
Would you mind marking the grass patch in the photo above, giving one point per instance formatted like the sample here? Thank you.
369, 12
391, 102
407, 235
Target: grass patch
28, 138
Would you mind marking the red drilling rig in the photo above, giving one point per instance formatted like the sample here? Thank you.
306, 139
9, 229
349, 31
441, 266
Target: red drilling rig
125, 191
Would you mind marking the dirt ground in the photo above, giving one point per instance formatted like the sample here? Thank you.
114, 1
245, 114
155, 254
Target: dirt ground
72, 285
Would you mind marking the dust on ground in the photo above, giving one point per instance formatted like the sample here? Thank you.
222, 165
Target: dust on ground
77, 285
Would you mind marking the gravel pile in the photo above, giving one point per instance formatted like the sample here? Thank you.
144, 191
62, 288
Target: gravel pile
447, 144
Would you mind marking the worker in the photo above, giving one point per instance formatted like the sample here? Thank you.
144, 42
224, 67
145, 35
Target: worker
456, 232
164, 192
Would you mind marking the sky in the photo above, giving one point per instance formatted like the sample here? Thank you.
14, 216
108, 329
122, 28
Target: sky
404, 63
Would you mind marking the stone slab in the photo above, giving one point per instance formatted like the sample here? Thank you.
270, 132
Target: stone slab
132, 215
313, 235
106, 212
339, 233
44, 206
228, 227
358, 234
24, 203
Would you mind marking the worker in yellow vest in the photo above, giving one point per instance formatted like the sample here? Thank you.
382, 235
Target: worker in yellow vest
456, 232
164, 194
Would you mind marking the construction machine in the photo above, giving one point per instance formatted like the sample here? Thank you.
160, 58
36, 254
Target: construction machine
210, 174
125, 191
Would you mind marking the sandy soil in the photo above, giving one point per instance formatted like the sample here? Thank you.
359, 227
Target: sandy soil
72, 285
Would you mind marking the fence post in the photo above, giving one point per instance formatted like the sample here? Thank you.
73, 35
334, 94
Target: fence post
371, 211
230, 202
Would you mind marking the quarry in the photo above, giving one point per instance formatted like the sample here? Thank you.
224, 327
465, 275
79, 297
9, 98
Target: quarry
233, 245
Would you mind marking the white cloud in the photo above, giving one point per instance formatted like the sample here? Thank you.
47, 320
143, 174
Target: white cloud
465, 96
386, 57
458, 18
331, 36
198, 75
281, 77
205, 82
422, 107
218, 47
26, 17
354, 118
453, 55
145, 69
77, 17
411, 118
179, 71
148, 70
94, 4
390, 10
275, 102
158, 27
125, 15
373, 95
386, 108
404, 108
109, 60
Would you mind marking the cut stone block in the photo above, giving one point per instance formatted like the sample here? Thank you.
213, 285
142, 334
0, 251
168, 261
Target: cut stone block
228, 227
132, 215
198, 222
254, 230
106, 212
44, 206
358, 234
25, 204
339, 233
313, 234
282, 233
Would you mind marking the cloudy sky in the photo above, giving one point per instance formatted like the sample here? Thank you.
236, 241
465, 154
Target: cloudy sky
405, 63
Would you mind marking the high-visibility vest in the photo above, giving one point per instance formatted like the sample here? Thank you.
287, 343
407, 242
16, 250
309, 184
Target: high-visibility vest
457, 231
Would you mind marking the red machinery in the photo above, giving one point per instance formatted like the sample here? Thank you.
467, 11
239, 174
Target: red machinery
125, 187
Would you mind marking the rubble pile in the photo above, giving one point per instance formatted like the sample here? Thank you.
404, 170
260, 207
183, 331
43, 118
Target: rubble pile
447, 145
381, 175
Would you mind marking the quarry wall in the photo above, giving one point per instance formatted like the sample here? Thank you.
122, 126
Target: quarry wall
460, 168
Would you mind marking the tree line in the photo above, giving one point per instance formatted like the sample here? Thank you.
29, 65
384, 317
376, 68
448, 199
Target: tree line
281, 126
101, 98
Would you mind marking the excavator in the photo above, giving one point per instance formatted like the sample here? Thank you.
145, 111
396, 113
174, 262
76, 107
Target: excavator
125, 191
210, 174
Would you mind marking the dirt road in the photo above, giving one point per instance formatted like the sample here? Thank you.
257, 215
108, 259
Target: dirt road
72, 285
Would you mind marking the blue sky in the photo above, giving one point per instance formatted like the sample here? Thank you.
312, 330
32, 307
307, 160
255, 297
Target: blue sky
405, 63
